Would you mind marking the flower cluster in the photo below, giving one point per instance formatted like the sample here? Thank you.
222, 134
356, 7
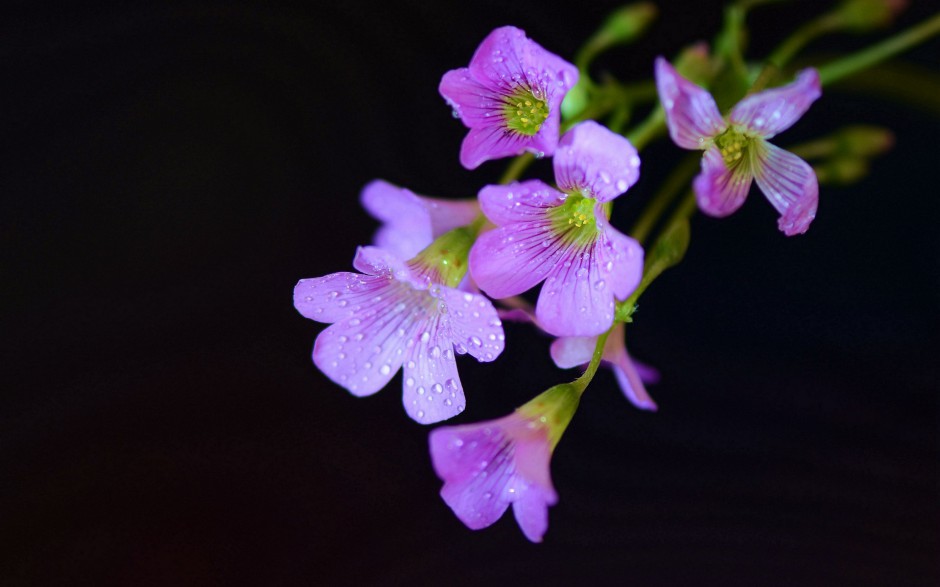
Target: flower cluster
417, 301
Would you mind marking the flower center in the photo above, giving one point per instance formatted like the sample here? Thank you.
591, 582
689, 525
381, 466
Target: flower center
524, 113
574, 218
733, 146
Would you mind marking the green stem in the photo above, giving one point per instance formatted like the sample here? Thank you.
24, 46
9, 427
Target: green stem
582, 382
515, 169
802, 37
832, 72
667, 192
649, 129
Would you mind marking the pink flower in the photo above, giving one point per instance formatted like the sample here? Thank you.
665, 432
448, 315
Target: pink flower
736, 147
564, 238
573, 351
510, 97
489, 465
395, 314
411, 222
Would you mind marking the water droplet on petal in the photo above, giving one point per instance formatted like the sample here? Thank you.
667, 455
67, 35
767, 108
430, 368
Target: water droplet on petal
437, 388
599, 285
385, 370
474, 341
425, 336
420, 390
420, 414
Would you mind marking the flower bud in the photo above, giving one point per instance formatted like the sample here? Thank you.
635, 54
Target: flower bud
862, 16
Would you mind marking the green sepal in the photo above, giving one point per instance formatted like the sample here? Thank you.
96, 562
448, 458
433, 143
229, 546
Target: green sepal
445, 260
553, 408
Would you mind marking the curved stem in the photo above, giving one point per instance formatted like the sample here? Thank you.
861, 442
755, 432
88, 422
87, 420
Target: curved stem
667, 192
832, 72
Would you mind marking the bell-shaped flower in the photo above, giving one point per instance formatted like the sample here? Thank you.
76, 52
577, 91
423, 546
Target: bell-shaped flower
631, 375
411, 222
510, 97
564, 237
398, 314
736, 147
489, 465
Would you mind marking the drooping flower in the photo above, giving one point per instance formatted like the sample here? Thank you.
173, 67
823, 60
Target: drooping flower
489, 465
396, 314
411, 222
564, 237
510, 97
573, 351
736, 147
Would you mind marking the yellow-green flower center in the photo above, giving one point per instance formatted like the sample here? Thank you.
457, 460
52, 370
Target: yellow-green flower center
575, 218
524, 113
733, 146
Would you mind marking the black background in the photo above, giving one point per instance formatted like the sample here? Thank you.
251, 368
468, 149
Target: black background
168, 173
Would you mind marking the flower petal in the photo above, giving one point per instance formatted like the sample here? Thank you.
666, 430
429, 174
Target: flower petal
572, 351
407, 221
719, 190
773, 111
531, 511
519, 201
596, 162
491, 141
332, 297
619, 259
474, 462
384, 263
691, 113
474, 325
790, 185
615, 353
432, 389
514, 258
363, 352
571, 303
473, 102
507, 59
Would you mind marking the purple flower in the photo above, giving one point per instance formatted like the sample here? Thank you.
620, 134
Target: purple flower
564, 238
412, 222
393, 314
572, 351
488, 465
510, 97
736, 147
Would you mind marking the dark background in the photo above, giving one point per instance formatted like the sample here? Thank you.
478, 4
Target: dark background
169, 173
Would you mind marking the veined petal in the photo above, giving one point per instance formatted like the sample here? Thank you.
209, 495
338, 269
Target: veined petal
619, 260
491, 141
380, 262
474, 102
363, 352
596, 162
475, 463
432, 389
790, 185
571, 302
514, 258
691, 113
332, 297
507, 59
773, 111
518, 202
474, 325
718, 189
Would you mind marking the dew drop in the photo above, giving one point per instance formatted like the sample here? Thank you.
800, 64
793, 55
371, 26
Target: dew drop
355, 322
435, 352
437, 388
367, 365
410, 381
411, 364
581, 272
420, 414
342, 303
420, 390
460, 349
334, 294
341, 356
385, 370
425, 336
474, 341
622, 185
343, 338
599, 285
455, 114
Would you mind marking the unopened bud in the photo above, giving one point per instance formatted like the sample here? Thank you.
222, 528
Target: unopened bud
842, 170
864, 140
861, 16
694, 63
